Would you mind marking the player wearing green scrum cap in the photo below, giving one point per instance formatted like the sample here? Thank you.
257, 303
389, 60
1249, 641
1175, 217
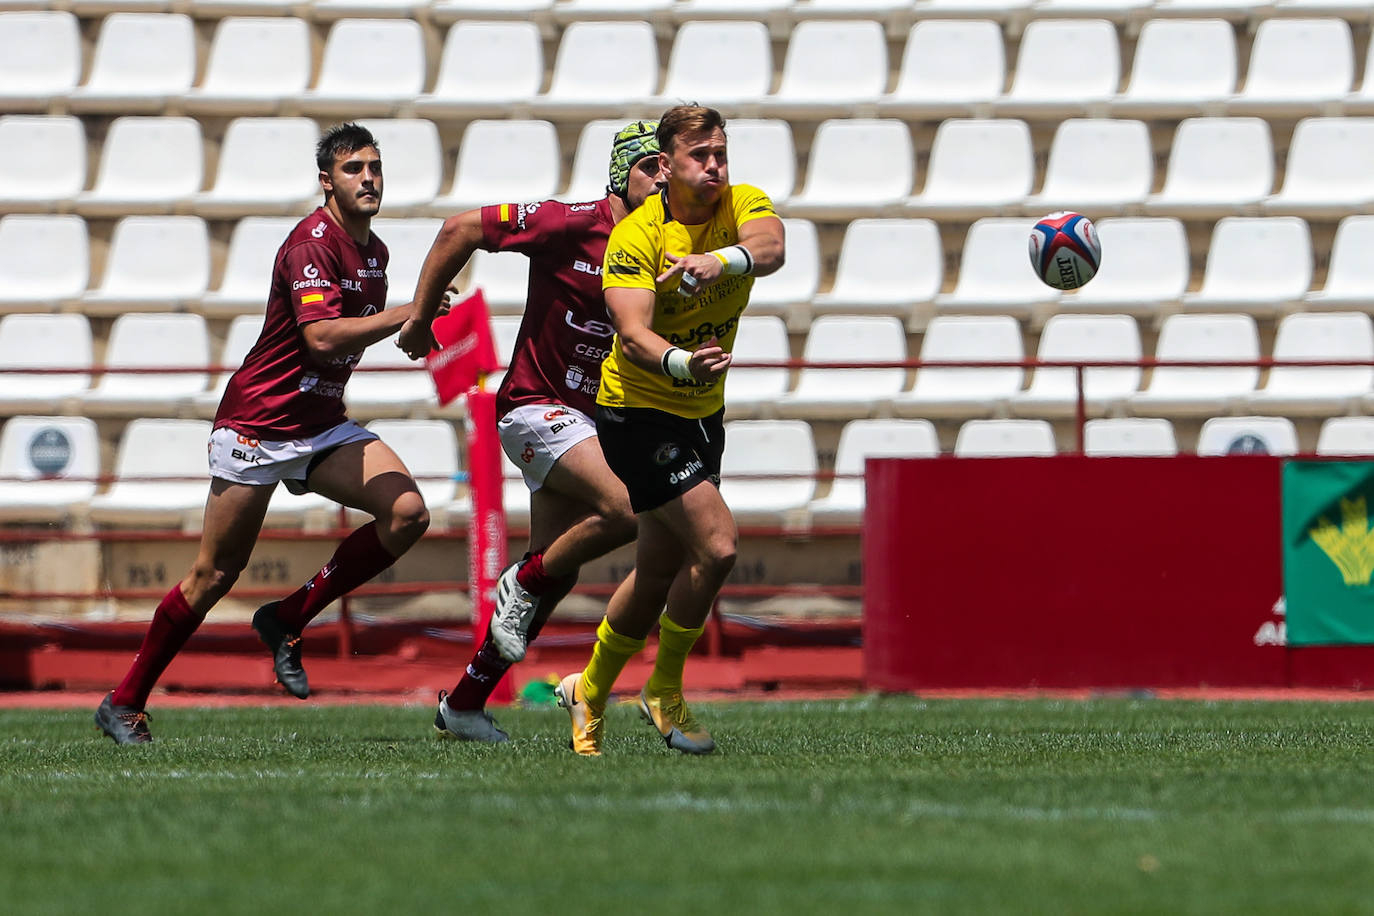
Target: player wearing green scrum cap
579, 510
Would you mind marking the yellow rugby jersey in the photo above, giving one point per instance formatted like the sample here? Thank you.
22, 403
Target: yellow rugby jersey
635, 256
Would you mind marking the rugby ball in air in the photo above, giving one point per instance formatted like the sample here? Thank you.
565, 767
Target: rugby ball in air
1064, 250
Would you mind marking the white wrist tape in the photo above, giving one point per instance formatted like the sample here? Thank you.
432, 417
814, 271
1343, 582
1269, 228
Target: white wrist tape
736, 259
676, 362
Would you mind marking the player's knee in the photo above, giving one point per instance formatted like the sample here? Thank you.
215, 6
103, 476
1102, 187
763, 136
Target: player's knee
409, 518
718, 559
620, 518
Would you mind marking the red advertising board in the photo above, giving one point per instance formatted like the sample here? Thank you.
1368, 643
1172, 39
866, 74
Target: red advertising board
1076, 572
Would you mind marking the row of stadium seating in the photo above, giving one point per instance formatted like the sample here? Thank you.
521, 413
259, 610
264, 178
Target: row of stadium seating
148, 62
856, 167
50, 468
179, 345
1257, 265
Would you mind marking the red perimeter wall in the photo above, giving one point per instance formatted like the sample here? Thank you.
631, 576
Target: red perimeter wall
1080, 572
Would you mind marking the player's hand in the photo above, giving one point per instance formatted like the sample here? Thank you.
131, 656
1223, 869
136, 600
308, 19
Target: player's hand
451, 296
416, 339
697, 271
709, 361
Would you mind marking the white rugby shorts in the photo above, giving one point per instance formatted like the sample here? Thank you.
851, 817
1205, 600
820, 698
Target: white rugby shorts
243, 459
535, 436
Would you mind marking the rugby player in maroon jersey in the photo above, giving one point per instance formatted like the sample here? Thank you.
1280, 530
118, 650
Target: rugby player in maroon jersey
579, 509
282, 420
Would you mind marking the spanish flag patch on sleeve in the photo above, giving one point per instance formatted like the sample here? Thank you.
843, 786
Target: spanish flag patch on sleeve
505, 213
312, 297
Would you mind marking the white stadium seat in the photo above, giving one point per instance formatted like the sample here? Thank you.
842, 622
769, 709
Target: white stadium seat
585, 82
48, 468
503, 161
886, 267
1011, 14
40, 58
147, 165
950, 68
255, 63
969, 391
394, 50
751, 392
140, 61
248, 266
1005, 439
823, 392
1100, 166
1145, 268
408, 242
1330, 169
1349, 273
389, 393
1346, 436
1293, 390
372, 9
579, 10
730, 63
155, 264
266, 167
768, 447
978, 167
1200, 390
859, 440
856, 168
763, 154
987, 283
1068, 338
150, 452
142, 341
1297, 67
43, 342
44, 261
447, 11
830, 68
1039, 88
504, 278
487, 68
1361, 101
1182, 67
1230, 10
1118, 11
1217, 167
413, 162
1247, 436
591, 161
1255, 264
47, 158
243, 332
788, 292
1147, 437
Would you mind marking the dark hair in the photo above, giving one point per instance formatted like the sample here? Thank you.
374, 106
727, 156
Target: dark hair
686, 119
340, 140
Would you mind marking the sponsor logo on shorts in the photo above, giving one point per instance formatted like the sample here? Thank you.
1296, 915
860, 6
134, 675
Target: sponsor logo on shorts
527, 453
690, 468
555, 414
667, 452
239, 454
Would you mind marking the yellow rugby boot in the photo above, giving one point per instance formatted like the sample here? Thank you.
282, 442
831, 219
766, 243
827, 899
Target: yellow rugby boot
681, 731
586, 719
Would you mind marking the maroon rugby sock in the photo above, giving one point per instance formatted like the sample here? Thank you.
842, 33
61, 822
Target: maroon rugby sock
532, 577
484, 672
173, 623
360, 557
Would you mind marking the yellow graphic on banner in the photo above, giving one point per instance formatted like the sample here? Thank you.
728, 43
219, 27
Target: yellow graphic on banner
1351, 546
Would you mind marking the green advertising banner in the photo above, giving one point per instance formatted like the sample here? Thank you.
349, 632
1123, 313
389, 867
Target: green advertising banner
1328, 552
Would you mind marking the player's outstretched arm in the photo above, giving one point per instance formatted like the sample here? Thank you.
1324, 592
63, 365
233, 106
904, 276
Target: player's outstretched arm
764, 239
632, 311
458, 238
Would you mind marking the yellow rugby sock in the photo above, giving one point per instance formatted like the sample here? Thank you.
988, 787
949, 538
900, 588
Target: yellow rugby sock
674, 642
608, 660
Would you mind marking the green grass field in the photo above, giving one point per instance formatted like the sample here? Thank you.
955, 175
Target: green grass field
868, 805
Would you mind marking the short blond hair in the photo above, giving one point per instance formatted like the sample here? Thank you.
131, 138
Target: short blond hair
687, 119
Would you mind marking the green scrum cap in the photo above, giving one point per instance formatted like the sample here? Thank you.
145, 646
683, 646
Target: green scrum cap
634, 141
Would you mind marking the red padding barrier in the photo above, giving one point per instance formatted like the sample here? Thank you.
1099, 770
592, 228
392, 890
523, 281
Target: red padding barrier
1077, 572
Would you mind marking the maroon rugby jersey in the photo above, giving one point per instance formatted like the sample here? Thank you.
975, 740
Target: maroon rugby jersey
566, 331
280, 392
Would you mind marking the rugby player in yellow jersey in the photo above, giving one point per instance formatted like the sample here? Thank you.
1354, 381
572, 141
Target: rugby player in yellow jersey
677, 275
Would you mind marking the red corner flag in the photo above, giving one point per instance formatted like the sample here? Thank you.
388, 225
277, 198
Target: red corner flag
465, 352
